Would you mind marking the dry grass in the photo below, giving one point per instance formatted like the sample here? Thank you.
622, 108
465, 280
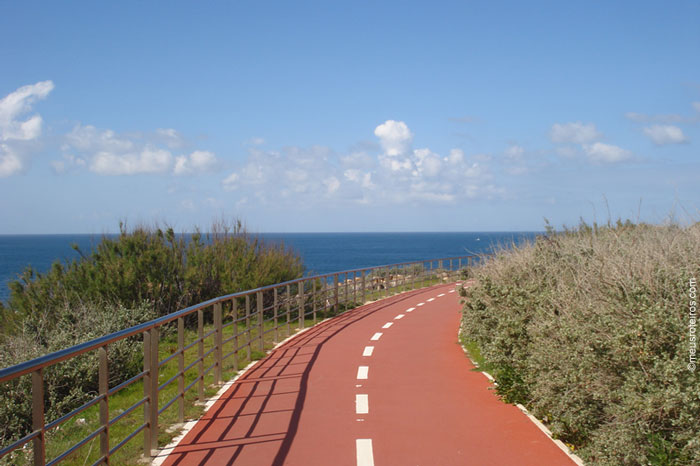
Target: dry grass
589, 329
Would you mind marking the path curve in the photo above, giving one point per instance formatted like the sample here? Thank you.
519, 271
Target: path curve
383, 384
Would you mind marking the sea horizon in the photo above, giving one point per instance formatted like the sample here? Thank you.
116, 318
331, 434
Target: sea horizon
321, 252
291, 232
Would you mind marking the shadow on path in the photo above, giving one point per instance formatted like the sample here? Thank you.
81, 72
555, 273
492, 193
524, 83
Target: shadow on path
259, 415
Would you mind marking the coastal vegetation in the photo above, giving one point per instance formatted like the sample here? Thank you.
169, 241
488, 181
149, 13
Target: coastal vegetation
589, 328
152, 265
142, 273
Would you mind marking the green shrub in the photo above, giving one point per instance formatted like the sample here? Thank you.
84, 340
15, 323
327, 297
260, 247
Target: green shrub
73, 382
589, 329
152, 265
141, 274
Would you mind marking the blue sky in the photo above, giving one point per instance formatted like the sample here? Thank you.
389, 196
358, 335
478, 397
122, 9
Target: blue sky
347, 116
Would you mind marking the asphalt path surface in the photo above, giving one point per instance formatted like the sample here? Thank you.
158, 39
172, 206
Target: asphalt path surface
383, 384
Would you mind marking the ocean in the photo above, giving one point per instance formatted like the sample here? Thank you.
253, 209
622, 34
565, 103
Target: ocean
321, 252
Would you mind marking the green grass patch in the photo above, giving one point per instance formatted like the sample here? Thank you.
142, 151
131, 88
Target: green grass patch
474, 352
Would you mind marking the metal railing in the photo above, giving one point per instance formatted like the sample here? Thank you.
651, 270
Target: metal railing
243, 321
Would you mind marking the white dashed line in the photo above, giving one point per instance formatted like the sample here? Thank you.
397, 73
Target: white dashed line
452, 291
364, 452
420, 304
376, 336
362, 372
410, 309
368, 351
441, 295
387, 325
361, 404
400, 316
431, 299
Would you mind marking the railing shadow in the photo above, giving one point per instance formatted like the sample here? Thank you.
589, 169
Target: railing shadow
272, 393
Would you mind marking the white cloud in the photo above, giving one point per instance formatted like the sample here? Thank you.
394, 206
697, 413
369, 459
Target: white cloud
585, 135
515, 162
427, 162
420, 193
149, 160
292, 170
515, 152
10, 162
665, 134
357, 176
396, 164
230, 183
566, 151
106, 153
16, 104
90, 139
170, 138
606, 153
394, 136
17, 134
197, 162
455, 158
474, 170
353, 174
517, 170
638, 117
255, 142
577, 133
644, 118
188, 205
464, 119
393, 174
696, 106
213, 202
59, 166
297, 179
332, 184
69, 161
484, 158
360, 160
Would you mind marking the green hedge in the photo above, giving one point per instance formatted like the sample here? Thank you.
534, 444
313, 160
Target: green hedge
589, 329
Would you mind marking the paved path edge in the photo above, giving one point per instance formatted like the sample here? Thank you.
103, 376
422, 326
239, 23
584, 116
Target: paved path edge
562, 446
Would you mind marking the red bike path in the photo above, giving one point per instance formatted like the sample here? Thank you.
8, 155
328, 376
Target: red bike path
322, 398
